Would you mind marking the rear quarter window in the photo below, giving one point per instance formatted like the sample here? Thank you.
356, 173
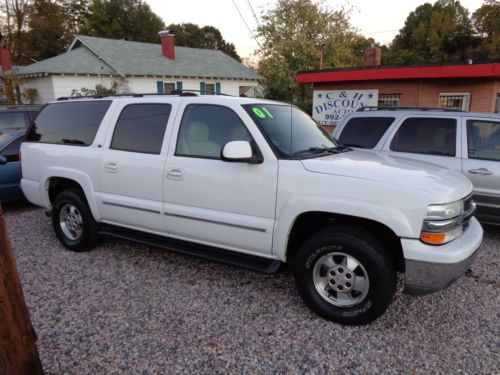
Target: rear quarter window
365, 132
74, 123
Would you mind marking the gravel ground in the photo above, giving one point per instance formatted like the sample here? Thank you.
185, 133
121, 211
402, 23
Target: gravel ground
126, 308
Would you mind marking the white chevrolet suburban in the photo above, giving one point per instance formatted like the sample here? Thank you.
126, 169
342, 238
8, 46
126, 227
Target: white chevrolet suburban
254, 184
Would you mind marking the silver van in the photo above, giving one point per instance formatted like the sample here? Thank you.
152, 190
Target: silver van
464, 141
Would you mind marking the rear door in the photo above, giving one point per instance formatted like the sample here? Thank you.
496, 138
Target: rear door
433, 139
481, 164
131, 168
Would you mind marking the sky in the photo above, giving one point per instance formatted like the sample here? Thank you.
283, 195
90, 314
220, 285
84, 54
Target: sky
380, 19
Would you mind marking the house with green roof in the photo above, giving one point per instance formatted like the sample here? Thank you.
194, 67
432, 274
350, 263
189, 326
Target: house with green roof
136, 67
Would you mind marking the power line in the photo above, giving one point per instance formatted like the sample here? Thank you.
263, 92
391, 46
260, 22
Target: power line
250, 30
256, 18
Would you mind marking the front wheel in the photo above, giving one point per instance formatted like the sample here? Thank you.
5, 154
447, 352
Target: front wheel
345, 275
73, 222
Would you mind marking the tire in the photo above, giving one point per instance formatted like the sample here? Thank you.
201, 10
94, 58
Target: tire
345, 275
79, 231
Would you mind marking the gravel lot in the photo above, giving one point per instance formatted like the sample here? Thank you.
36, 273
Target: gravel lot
126, 308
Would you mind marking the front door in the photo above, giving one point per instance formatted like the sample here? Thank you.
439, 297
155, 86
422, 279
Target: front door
131, 169
210, 201
481, 164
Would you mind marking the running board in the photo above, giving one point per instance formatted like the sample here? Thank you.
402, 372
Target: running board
232, 258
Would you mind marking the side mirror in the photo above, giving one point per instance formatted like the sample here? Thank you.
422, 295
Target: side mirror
240, 151
3, 160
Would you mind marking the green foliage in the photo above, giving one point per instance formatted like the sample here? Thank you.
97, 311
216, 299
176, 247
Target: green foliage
123, 19
99, 90
294, 34
29, 95
191, 35
444, 32
486, 21
47, 33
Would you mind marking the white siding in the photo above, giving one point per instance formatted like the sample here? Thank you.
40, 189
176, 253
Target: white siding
52, 87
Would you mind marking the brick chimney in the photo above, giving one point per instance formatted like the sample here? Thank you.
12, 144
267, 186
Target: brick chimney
5, 57
167, 44
372, 56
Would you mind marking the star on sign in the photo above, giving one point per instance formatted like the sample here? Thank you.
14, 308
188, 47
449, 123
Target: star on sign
370, 95
320, 96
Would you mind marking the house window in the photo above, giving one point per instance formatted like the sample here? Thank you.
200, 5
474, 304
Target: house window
460, 101
210, 89
389, 100
168, 87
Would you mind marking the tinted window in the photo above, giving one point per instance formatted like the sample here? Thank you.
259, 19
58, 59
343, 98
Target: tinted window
11, 120
433, 136
205, 129
73, 122
11, 151
140, 128
364, 132
483, 139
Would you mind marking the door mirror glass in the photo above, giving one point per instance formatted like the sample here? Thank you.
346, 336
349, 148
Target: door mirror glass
3, 160
237, 151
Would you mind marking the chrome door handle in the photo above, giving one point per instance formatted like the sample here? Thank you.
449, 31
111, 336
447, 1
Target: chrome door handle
111, 167
175, 174
481, 171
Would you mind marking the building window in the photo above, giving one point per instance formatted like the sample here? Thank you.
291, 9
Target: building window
389, 100
168, 87
460, 101
497, 104
210, 89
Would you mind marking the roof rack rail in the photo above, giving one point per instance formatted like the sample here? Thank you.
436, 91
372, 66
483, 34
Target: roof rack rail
139, 95
378, 108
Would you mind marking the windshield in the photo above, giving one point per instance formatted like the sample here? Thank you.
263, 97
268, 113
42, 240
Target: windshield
5, 139
291, 131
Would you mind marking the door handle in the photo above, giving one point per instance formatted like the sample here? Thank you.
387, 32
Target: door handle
111, 167
175, 174
481, 171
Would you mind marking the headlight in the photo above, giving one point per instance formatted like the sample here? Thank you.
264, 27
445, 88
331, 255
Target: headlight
444, 222
445, 211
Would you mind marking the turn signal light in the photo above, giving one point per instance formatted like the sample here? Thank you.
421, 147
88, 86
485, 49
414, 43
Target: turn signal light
433, 238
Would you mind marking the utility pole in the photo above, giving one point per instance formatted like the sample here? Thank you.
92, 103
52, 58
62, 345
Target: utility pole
321, 52
18, 351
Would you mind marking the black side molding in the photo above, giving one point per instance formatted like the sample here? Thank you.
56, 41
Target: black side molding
232, 258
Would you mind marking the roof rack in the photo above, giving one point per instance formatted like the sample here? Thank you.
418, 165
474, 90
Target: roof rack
376, 108
140, 95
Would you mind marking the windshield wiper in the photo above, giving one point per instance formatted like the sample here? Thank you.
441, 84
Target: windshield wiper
316, 150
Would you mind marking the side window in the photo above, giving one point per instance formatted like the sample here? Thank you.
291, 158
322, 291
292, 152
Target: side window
72, 122
205, 129
365, 132
11, 152
141, 127
483, 139
433, 136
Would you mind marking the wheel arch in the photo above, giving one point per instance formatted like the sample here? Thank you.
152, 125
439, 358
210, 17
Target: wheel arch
54, 183
307, 223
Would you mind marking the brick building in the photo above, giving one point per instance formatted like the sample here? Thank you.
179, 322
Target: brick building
473, 87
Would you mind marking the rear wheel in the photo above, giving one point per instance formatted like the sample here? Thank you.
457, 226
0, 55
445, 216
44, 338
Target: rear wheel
73, 222
345, 275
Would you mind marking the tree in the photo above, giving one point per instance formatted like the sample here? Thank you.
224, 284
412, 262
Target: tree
294, 34
439, 32
191, 35
48, 34
123, 19
486, 22
13, 16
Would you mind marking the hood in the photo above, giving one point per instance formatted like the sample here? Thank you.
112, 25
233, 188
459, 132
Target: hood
397, 170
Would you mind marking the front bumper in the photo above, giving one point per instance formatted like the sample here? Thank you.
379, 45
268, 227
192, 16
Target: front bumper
432, 268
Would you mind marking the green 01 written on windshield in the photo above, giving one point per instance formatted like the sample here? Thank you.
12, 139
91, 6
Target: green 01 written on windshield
292, 132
